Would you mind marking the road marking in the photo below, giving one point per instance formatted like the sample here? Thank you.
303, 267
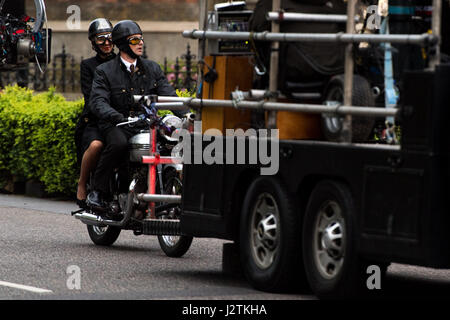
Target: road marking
23, 287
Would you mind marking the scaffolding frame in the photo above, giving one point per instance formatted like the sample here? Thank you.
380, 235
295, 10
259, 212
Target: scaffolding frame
349, 38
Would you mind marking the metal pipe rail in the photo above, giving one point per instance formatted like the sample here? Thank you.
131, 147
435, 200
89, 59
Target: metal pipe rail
307, 17
436, 25
161, 105
159, 198
415, 39
280, 106
274, 66
169, 106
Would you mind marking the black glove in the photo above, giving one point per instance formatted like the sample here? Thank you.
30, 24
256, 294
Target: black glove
118, 118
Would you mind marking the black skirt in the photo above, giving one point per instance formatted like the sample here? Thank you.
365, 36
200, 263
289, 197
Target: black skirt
91, 133
85, 133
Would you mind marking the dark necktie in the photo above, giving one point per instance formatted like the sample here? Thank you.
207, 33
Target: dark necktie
132, 69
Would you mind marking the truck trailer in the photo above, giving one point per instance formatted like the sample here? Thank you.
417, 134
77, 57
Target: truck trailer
333, 208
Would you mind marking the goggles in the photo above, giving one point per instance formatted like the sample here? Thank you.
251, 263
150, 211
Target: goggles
135, 40
101, 39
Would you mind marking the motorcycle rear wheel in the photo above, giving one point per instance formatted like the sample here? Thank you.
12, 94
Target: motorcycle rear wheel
103, 236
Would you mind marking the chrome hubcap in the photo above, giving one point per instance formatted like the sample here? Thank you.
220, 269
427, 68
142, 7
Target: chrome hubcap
264, 231
329, 240
333, 122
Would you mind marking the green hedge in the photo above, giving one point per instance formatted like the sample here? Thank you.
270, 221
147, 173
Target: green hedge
37, 138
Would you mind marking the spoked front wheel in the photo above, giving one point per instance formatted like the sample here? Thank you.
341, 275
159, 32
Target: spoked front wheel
173, 246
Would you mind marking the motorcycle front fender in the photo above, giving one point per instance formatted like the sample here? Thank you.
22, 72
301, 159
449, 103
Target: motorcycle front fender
177, 166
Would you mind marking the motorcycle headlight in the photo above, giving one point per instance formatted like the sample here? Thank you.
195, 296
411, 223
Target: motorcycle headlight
172, 121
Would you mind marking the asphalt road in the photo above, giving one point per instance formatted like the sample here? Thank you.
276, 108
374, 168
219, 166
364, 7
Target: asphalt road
43, 248
42, 245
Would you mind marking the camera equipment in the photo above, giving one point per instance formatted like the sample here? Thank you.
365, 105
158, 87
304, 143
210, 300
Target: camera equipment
229, 16
21, 41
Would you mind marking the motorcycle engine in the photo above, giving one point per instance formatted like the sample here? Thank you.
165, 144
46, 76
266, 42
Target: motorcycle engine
139, 145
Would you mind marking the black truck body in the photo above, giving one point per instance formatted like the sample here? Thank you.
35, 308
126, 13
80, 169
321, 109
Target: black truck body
400, 192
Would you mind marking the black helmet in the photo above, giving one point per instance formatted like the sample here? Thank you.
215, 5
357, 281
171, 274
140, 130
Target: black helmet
98, 26
124, 29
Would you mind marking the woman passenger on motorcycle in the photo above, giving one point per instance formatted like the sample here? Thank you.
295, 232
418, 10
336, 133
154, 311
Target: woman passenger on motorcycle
114, 84
88, 139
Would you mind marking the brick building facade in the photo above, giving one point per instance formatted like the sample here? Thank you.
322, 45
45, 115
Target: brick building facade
162, 22
152, 10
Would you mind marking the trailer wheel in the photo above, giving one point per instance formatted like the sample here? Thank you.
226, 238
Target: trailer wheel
103, 236
332, 266
362, 96
269, 237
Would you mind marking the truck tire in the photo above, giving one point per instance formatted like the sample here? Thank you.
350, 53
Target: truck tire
332, 266
362, 96
103, 236
269, 242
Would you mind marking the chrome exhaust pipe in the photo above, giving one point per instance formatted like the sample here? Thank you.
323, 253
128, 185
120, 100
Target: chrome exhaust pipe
94, 220
90, 219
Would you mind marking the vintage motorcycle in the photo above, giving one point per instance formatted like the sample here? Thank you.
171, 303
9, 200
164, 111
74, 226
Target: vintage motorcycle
146, 191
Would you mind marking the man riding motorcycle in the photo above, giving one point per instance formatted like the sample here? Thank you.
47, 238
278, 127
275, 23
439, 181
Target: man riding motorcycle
88, 138
115, 82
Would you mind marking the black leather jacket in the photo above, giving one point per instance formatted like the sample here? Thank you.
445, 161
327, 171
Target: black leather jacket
87, 71
113, 87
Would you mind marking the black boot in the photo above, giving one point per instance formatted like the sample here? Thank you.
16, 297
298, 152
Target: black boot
82, 203
95, 200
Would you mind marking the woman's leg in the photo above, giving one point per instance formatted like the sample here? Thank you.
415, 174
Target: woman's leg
88, 163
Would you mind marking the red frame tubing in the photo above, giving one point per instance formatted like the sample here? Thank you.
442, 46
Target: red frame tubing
160, 160
152, 174
153, 160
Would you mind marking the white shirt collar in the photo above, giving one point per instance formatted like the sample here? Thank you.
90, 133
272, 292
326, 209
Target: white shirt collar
128, 64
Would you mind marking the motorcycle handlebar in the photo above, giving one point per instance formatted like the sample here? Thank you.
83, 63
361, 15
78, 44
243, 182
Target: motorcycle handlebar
132, 120
151, 120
